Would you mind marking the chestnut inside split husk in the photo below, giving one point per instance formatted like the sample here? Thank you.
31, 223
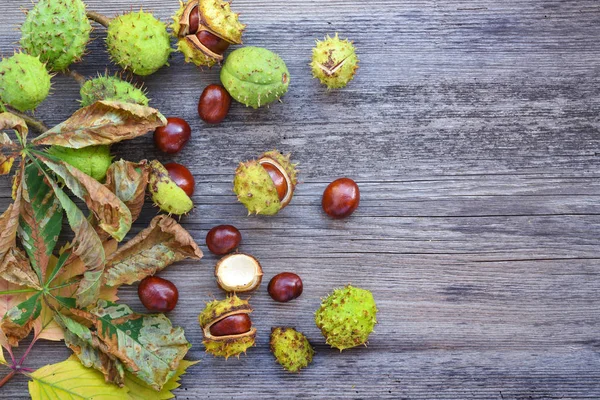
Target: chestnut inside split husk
266, 185
227, 327
238, 272
205, 29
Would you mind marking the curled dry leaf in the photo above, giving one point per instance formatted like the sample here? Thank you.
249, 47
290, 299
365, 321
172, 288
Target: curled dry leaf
156, 247
104, 122
128, 180
11, 121
7, 157
148, 346
112, 214
9, 222
17, 269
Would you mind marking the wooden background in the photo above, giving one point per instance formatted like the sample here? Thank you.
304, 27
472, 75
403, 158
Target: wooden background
472, 130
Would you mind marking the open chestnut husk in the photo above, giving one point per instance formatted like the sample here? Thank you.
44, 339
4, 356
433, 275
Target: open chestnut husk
238, 272
266, 185
227, 327
205, 29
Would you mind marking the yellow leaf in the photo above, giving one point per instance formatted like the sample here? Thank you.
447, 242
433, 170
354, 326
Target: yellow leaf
138, 390
71, 380
3, 343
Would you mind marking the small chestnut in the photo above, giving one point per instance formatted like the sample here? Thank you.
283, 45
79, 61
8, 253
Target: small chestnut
285, 286
172, 137
214, 104
223, 239
158, 294
212, 42
194, 20
182, 177
232, 325
340, 198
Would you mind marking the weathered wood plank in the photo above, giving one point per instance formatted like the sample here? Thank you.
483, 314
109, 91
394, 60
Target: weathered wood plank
472, 130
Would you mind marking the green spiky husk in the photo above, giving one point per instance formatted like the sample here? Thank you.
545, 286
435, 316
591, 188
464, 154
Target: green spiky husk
291, 348
111, 88
223, 22
328, 54
255, 76
24, 81
139, 42
57, 31
213, 311
285, 162
92, 160
347, 317
255, 189
165, 193
194, 55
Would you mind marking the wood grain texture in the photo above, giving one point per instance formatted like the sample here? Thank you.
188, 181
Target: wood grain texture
472, 130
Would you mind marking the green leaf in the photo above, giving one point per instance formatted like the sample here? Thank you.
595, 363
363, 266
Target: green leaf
138, 390
104, 122
112, 214
86, 347
87, 246
18, 321
41, 219
148, 345
156, 247
71, 380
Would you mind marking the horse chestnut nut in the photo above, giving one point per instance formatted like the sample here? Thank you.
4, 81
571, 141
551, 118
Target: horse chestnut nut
232, 325
158, 294
223, 239
284, 287
340, 198
182, 177
172, 137
214, 104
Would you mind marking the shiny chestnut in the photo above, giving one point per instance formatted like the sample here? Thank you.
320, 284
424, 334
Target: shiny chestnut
182, 177
278, 179
212, 42
172, 137
223, 239
232, 325
158, 294
285, 286
214, 104
194, 20
341, 198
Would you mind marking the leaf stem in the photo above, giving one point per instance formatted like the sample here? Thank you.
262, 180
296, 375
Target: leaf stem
69, 283
99, 18
5, 292
32, 122
22, 360
7, 377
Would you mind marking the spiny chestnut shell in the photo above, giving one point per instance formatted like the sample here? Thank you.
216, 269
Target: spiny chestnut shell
164, 191
139, 42
106, 87
334, 62
92, 160
57, 31
347, 317
238, 272
291, 348
225, 346
24, 82
255, 187
255, 76
212, 16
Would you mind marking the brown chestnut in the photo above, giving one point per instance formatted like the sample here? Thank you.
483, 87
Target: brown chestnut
278, 179
158, 294
182, 177
340, 198
285, 286
212, 42
172, 137
214, 104
194, 20
232, 325
223, 239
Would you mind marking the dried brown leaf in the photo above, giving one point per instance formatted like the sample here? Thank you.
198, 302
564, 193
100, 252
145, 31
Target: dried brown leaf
104, 122
156, 247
